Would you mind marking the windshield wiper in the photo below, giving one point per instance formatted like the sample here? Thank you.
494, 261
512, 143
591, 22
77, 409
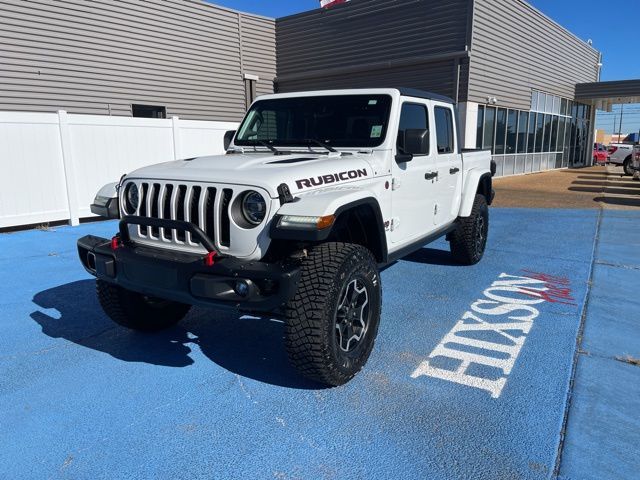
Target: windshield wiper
271, 147
321, 144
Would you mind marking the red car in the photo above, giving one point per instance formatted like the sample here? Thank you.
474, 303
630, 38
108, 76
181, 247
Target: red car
600, 153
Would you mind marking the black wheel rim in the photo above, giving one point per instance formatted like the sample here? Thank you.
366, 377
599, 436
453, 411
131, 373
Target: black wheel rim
481, 234
352, 315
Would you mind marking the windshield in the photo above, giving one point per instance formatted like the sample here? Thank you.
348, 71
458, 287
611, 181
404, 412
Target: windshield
333, 120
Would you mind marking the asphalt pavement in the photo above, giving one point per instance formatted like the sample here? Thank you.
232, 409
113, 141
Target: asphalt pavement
470, 377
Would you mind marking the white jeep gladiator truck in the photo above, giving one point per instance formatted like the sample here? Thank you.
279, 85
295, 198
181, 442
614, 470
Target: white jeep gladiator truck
316, 192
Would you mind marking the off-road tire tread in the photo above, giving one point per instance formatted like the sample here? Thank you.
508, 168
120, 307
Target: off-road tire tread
305, 312
462, 241
128, 309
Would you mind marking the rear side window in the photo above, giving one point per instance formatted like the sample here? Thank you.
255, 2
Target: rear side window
444, 129
412, 116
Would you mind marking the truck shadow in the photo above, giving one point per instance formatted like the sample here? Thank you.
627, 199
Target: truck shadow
252, 347
431, 256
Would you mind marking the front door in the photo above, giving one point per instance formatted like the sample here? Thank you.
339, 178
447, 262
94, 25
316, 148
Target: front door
413, 193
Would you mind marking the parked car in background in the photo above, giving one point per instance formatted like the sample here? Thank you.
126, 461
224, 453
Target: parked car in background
636, 162
621, 154
600, 153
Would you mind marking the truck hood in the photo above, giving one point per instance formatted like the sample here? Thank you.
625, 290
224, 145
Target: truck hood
300, 171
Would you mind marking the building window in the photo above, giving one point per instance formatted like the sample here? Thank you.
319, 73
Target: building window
149, 111
522, 132
412, 116
512, 126
479, 125
444, 129
539, 132
501, 125
532, 132
547, 133
489, 126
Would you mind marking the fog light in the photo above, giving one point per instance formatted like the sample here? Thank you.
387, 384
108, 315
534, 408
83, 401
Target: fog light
241, 288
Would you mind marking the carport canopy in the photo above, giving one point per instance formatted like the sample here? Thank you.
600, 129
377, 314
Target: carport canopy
602, 95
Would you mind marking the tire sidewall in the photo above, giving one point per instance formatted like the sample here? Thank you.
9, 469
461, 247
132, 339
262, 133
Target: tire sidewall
360, 265
481, 210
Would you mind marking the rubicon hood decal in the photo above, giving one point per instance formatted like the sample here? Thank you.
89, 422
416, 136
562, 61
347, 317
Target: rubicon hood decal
330, 178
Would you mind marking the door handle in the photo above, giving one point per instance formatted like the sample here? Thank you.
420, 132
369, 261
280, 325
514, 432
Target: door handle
454, 170
430, 175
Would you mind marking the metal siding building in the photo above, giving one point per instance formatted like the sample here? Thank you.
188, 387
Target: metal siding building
386, 43
102, 57
512, 69
495, 57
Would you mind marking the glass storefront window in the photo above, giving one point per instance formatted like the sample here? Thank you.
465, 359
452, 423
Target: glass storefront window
554, 134
512, 125
532, 132
563, 106
479, 125
547, 133
534, 100
522, 132
501, 123
489, 122
539, 132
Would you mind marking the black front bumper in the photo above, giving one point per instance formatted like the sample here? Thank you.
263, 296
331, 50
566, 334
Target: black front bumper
184, 277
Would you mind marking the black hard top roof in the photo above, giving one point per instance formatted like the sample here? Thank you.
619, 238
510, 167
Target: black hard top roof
414, 92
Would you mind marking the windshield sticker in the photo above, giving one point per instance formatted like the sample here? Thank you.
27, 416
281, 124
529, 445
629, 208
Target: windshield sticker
373, 102
376, 131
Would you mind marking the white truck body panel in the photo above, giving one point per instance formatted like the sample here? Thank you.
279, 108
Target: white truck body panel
623, 151
412, 206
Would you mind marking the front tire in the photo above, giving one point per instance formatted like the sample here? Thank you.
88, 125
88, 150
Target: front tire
628, 170
469, 240
137, 311
332, 320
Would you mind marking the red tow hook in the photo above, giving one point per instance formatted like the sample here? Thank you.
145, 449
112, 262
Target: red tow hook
115, 242
209, 259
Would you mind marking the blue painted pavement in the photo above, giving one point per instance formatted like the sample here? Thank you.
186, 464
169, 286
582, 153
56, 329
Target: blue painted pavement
215, 398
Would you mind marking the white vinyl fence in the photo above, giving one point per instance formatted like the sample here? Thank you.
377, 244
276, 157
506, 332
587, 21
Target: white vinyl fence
52, 164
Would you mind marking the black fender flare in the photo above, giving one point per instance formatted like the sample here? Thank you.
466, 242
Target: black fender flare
321, 235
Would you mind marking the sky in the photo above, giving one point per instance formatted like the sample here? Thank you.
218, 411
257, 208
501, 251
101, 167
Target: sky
611, 25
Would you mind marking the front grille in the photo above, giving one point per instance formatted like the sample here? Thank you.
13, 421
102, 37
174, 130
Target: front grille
197, 204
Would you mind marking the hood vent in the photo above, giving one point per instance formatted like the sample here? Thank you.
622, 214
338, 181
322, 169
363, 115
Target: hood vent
294, 160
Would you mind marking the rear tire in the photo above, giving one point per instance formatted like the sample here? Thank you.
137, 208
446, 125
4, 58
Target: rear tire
469, 239
137, 311
627, 166
332, 320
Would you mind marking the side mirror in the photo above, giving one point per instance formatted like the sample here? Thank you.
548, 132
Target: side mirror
416, 142
106, 202
228, 136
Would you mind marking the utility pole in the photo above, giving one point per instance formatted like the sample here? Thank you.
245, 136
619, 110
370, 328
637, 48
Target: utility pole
621, 113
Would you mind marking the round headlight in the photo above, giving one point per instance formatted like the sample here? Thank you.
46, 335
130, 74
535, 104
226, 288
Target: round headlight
131, 198
254, 208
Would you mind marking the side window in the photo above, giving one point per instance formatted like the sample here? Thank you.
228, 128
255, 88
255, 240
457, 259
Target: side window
412, 116
444, 129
